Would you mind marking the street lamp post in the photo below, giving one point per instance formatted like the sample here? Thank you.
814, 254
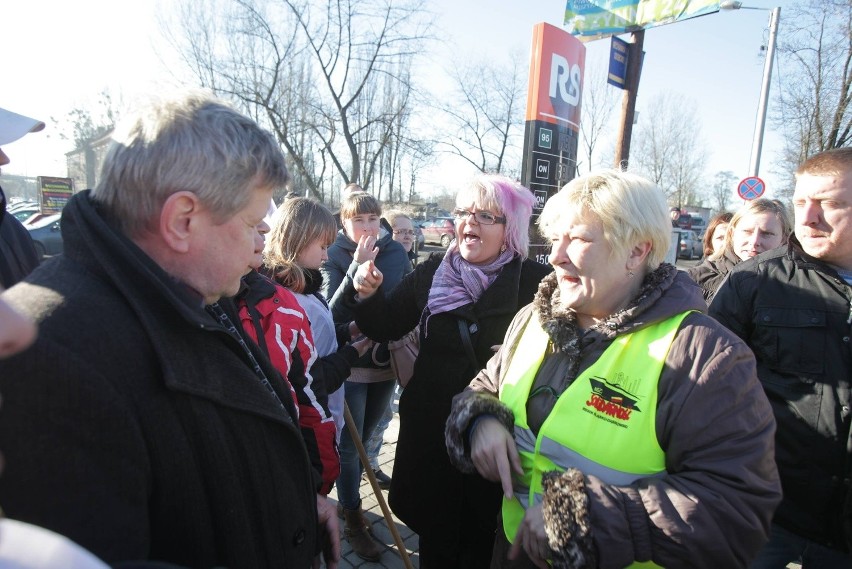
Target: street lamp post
760, 122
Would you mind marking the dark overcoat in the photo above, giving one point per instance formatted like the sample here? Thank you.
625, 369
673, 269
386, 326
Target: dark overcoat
135, 424
794, 311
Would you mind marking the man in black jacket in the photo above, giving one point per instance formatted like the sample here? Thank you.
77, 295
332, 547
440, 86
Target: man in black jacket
142, 424
793, 306
18, 256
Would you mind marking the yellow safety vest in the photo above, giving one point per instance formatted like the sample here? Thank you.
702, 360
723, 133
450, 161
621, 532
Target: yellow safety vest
604, 423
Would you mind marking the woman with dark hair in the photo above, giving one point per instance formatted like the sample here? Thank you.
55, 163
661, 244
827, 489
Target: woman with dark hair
463, 301
714, 236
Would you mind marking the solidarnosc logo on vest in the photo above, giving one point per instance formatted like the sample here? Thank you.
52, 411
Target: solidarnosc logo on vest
610, 400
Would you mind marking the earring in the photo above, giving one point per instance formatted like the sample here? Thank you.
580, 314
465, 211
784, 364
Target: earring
629, 274
503, 248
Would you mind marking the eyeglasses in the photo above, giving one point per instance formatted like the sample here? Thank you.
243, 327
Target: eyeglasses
403, 232
482, 217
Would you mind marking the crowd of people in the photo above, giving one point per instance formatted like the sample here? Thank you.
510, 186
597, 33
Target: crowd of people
185, 385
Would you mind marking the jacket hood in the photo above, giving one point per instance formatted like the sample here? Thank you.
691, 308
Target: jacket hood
726, 262
720, 266
666, 291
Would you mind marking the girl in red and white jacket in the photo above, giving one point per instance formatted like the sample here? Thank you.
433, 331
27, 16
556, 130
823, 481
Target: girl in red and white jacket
278, 312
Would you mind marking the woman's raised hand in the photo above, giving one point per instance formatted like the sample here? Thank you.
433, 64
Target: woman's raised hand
493, 451
366, 249
367, 280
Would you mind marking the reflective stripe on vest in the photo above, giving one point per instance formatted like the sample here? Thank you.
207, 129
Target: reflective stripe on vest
604, 424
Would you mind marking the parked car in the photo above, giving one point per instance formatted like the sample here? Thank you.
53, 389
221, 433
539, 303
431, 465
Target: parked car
46, 234
24, 213
691, 246
699, 225
439, 230
12, 207
419, 239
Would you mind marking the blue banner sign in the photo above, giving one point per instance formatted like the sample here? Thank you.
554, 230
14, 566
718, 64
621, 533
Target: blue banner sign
618, 55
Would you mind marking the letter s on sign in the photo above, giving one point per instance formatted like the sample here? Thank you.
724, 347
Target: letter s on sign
574, 91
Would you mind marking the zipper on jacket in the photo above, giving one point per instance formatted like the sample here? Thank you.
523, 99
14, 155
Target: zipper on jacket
849, 320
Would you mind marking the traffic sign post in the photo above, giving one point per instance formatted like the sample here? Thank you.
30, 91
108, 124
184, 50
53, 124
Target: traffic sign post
751, 188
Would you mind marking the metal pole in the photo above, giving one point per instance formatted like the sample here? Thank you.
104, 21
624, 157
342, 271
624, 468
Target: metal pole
760, 122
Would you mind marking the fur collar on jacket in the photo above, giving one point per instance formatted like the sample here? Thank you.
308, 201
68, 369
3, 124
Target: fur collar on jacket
560, 323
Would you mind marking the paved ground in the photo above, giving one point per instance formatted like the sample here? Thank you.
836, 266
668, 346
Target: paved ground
390, 558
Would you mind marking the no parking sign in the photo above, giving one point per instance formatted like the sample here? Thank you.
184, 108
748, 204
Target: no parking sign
751, 188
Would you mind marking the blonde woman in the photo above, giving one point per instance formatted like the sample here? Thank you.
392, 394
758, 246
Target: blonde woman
613, 408
759, 226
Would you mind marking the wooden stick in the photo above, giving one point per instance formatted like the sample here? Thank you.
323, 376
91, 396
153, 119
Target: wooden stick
356, 438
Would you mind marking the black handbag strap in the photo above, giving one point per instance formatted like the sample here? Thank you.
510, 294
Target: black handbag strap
464, 332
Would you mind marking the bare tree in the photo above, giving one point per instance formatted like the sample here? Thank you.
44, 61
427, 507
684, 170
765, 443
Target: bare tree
815, 57
486, 124
403, 155
420, 155
328, 77
723, 190
87, 127
404, 158
81, 125
668, 148
599, 100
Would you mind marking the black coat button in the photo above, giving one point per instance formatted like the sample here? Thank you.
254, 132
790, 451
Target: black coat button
299, 538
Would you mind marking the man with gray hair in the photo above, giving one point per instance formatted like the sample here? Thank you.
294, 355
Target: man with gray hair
141, 423
793, 307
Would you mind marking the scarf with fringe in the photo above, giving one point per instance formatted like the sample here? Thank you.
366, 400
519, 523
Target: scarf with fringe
458, 282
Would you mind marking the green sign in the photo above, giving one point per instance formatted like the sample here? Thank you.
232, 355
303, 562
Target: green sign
595, 19
545, 138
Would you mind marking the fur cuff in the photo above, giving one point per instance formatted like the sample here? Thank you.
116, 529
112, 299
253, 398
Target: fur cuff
566, 520
467, 406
